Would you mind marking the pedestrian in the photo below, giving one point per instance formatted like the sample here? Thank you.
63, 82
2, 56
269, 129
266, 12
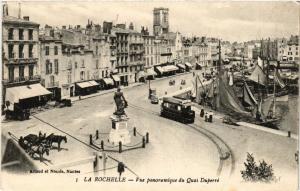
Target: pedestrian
211, 116
206, 117
202, 113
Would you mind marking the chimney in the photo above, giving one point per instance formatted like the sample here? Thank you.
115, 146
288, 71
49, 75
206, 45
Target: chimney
26, 18
131, 26
5, 9
19, 11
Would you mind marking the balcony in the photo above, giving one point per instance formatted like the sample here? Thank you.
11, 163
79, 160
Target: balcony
136, 51
53, 84
22, 60
166, 54
22, 79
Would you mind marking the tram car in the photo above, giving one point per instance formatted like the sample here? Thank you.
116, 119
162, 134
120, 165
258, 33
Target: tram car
177, 109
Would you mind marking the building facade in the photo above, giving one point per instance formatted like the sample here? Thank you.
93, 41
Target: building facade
20, 52
51, 62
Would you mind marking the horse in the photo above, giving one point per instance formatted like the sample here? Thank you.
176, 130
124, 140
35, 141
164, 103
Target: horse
38, 149
34, 139
56, 139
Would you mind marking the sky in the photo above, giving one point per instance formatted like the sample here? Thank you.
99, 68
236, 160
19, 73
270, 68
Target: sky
232, 21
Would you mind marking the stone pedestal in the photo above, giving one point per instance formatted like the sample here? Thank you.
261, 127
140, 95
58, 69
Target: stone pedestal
119, 131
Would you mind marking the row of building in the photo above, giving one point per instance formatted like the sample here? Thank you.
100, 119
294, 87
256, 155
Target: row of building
75, 60
278, 49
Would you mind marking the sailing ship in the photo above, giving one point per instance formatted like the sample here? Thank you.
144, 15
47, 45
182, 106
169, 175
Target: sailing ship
220, 95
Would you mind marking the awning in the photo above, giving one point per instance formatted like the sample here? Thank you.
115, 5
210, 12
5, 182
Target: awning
14, 94
160, 69
94, 83
116, 78
181, 66
151, 72
108, 81
141, 74
115, 71
188, 64
170, 68
84, 84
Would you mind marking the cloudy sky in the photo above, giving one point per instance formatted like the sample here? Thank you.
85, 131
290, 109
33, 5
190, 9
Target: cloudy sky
233, 21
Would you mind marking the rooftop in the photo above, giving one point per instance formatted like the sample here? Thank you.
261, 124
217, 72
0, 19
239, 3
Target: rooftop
15, 20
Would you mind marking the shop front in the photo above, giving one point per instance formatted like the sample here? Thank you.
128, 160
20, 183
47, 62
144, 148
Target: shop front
20, 99
86, 88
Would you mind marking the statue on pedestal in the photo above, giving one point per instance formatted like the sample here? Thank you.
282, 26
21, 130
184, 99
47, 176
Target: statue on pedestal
121, 102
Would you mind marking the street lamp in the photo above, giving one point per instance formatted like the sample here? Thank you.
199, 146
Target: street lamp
149, 96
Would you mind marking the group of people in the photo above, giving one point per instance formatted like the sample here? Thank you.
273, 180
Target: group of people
208, 116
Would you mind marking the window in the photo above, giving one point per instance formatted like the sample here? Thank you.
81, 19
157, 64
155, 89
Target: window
97, 64
21, 34
56, 66
82, 65
125, 69
102, 73
31, 67
30, 34
30, 53
10, 34
151, 50
47, 50
151, 60
75, 65
82, 75
69, 77
96, 50
11, 51
55, 50
21, 54
11, 71
179, 108
21, 72
48, 67
52, 80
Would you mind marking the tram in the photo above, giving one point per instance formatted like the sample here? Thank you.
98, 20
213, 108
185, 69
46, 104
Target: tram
177, 109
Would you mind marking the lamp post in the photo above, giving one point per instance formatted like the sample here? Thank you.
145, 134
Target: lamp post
149, 96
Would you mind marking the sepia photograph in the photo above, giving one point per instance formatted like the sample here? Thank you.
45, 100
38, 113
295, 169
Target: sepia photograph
150, 95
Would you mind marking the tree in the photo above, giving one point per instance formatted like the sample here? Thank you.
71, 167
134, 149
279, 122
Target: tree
257, 173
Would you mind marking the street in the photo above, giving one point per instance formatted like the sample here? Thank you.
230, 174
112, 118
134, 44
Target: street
175, 149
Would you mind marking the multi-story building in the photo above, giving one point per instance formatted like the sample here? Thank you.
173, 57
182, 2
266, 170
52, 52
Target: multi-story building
160, 21
292, 49
213, 43
174, 43
150, 49
130, 53
269, 49
136, 54
187, 51
79, 65
51, 62
20, 52
201, 52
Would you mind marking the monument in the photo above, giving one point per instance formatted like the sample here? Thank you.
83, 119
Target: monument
119, 131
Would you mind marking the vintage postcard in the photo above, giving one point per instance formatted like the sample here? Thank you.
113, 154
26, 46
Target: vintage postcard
150, 95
